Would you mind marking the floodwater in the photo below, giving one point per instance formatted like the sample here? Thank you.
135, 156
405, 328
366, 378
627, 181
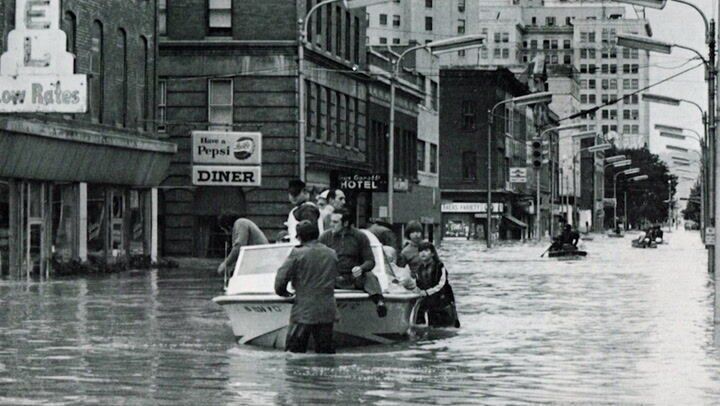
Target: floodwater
621, 326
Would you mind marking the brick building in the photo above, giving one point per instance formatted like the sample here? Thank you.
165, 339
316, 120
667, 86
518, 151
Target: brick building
232, 66
92, 194
466, 96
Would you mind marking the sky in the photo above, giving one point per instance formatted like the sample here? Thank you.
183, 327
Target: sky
680, 24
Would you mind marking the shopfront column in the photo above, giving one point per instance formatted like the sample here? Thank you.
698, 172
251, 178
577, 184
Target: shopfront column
82, 222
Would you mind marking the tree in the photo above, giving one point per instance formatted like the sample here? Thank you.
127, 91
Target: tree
692, 210
647, 200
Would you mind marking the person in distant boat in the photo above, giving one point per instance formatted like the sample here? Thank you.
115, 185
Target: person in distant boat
432, 279
325, 210
568, 239
409, 254
658, 233
355, 257
303, 209
244, 232
312, 269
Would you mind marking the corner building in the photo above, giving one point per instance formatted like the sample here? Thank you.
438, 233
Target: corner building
82, 186
231, 65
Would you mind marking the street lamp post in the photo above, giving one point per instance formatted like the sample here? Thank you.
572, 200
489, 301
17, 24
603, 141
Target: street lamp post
529, 99
574, 126
625, 172
302, 37
593, 149
436, 47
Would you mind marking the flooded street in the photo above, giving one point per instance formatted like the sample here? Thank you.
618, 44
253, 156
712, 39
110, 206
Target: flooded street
621, 326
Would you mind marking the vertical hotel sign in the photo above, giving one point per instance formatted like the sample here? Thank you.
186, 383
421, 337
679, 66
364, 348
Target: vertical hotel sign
37, 73
229, 158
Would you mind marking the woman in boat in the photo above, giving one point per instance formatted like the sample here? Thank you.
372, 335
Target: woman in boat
432, 279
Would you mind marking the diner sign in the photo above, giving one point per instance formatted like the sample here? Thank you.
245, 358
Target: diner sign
37, 73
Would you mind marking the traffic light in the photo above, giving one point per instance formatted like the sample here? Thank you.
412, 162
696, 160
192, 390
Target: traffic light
537, 152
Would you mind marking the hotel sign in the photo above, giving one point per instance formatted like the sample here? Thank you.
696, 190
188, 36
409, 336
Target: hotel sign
37, 73
226, 158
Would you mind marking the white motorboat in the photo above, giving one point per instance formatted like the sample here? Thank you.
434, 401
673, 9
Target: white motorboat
260, 317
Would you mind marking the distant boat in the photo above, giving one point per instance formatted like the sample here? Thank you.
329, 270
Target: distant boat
567, 253
643, 244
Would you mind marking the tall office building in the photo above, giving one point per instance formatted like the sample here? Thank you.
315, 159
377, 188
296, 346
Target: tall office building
580, 35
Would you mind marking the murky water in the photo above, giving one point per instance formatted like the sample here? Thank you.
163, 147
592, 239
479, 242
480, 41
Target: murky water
622, 326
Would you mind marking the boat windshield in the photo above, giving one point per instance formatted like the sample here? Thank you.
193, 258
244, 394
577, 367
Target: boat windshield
260, 259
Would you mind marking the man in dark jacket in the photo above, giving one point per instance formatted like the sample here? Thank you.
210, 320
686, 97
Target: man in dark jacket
355, 258
312, 270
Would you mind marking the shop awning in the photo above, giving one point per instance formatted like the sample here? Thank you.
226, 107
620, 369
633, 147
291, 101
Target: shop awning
78, 152
515, 221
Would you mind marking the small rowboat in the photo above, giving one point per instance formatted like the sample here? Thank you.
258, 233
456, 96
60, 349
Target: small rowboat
567, 254
643, 244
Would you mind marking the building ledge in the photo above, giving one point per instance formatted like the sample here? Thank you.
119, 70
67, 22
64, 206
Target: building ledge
105, 136
223, 43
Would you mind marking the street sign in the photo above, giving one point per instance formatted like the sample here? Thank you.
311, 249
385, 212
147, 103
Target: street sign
361, 182
709, 235
518, 175
226, 175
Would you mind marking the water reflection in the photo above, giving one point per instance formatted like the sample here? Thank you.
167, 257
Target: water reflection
623, 326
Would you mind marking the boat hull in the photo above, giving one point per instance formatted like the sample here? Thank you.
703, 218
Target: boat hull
642, 244
262, 320
567, 254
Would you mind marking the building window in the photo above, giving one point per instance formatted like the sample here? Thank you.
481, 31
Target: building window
546, 44
591, 83
505, 37
613, 68
220, 104
583, 98
433, 158
461, 27
583, 83
553, 44
461, 53
162, 17
97, 73
220, 18
70, 28
428, 3
496, 53
469, 165
506, 53
383, 19
162, 106
461, 6
613, 84
592, 99
635, 84
468, 115
144, 80
634, 68
396, 41
567, 59
356, 41
396, 20
566, 44
428, 24
592, 68
533, 44
483, 53
383, 40
122, 47
421, 155
550, 21
533, 21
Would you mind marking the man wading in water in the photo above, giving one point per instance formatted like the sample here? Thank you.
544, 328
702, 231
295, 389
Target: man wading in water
312, 270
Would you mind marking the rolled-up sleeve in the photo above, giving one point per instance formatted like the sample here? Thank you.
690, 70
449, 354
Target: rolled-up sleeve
366, 253
285, 274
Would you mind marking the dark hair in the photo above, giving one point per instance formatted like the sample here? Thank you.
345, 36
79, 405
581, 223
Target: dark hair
413, 226
428, 246
344, 215
307, 231
295, 187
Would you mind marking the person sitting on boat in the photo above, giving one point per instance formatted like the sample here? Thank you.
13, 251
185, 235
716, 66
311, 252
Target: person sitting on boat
312, 269
244, 232
384, 233
658, 234
567, 240
403, 277
355, 256
303, 209
432, 279
409, 254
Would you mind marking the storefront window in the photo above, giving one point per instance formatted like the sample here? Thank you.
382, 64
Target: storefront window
65, 220
4, 227
96, 223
